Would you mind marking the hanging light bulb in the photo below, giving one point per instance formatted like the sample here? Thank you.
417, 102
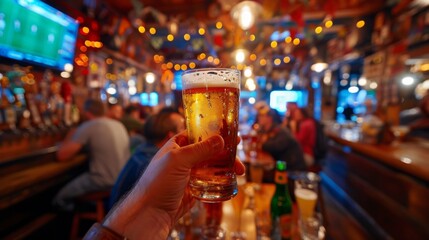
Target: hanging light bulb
240, 55
245, 13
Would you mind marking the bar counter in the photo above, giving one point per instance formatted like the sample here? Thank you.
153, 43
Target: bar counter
383, 187
30, 176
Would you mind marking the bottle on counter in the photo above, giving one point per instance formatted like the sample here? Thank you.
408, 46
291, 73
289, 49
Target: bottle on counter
281, 205
8, 118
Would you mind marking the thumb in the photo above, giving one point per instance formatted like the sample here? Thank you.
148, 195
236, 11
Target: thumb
197, 152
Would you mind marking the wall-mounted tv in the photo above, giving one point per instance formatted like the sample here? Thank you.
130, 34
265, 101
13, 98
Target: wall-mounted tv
35, 33
278, 99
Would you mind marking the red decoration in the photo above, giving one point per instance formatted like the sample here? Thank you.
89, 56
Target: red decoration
293, 32
297, 16
330, 7
66, 91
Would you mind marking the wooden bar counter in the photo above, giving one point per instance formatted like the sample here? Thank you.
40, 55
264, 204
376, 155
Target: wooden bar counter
29, 178
383, 188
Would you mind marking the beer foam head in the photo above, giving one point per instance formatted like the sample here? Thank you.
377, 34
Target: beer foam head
305, 194
211, 77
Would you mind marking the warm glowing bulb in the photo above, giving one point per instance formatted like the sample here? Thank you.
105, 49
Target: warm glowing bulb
286, 59
177, 67
263, 62
183, 67
248, 72
252, 57
142, 29
273, 44
277, 61
85, 30
186, 36
150, 77
170, 37
296, 41
360, 24
201, 31
328, 24
288, 39
240, 56
252, 37
192, 65
219, 25
318, 30
246, 18
169, 65
152, 30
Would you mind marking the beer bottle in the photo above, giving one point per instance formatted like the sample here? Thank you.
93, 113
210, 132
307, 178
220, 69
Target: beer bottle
281, 205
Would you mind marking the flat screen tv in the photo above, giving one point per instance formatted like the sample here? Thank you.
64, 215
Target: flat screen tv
35, 33
278, 99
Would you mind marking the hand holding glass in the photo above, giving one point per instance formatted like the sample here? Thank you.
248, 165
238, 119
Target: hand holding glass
211, 102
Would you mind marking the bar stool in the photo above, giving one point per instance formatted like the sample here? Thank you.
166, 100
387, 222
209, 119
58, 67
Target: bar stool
97, 215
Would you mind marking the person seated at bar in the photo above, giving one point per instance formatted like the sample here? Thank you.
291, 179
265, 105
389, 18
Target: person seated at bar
157, 130
287, 120
107, 144
304, 131
134, 125
161, 195
278, 141
115, 111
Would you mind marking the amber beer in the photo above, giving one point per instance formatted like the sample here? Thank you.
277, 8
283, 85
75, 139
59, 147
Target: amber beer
211, 102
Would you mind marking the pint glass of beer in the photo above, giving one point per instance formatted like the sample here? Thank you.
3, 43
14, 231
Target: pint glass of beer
211, 102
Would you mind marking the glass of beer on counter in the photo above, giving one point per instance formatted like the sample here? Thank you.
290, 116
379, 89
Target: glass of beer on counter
211, 104
306, 191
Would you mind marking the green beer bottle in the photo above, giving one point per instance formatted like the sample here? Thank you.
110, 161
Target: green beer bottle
281, 205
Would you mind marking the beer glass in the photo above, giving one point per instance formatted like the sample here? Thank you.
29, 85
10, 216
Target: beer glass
211, 102
306, 191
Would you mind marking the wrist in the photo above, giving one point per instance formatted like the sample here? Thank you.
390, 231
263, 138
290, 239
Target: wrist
139, 222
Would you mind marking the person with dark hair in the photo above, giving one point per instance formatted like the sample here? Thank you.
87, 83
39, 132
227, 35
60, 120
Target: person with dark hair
115, 111
107, 144
134, 126
305, 133
157, 130
287, 120
278, 141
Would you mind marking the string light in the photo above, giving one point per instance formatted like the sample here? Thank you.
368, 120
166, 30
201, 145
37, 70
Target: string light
219, 25
252, 37
277, 61
318, 30
263, 62
152, 30
252, 57
296, 41
186, 37
142, 29
201, 31
286, 59
328, 24
288, 40
360, 24
273, 44
170, 37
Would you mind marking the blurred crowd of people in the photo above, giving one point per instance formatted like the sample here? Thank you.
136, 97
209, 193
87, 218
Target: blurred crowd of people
119, 142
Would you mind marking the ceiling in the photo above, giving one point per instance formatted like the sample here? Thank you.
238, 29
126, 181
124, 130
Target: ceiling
297, 17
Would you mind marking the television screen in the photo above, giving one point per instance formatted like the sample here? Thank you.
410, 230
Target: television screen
149, 99
278, 99
33, 32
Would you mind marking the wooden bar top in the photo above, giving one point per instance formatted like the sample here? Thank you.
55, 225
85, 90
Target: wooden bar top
19, 185
410, 156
